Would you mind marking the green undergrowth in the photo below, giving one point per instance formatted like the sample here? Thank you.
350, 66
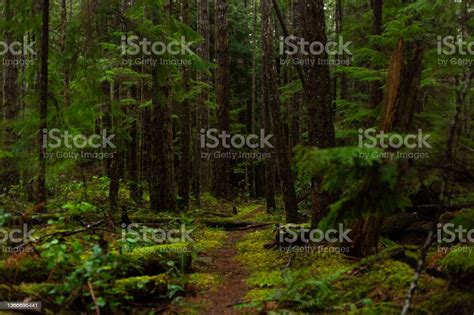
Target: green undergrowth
208, 238
203, 281
321, 280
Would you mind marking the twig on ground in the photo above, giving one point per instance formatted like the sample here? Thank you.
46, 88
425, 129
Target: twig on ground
94, 299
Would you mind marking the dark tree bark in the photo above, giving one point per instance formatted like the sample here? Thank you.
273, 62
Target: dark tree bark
297, 99
133, 163
43, 110
185, 139
162, 192
376, 93
66, 72
273, 103
343, 84
401, 93
318, 98
269, 163
9, 174
222, 175
202, 170
251, 110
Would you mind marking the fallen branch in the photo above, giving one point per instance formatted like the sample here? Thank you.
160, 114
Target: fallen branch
421, 263
217, 214
94, 299
451, 207
63, 234
251, 226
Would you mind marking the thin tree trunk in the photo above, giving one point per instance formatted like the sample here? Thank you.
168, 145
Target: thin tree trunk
376, 93
222, 175
9, 174
273, 103
185, 148
202, 169
43, 110
269, 163
253, 104
66, 93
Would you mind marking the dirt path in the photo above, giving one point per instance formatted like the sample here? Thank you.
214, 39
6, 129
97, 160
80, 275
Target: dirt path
232, 286
232, 279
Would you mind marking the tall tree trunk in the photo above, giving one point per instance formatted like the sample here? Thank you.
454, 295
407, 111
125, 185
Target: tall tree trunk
162, 193
253, 105
115, 166
222, 175
270, 162
185, 148
9, 174
343, 85
401, 93
318, 98
297, 99
202, 169
273, 103
376, 93
134, 147
66, 72
43, 110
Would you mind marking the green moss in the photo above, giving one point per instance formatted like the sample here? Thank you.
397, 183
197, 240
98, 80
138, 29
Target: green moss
209, 200
254, 256
465, 218
155, 259
386, 280
260, 295
449, 301
245, 211
459, 264
204, 281
208, 239
37, 290
139, 288
147, 217
5, 293
377, 309
24, 270
265, 279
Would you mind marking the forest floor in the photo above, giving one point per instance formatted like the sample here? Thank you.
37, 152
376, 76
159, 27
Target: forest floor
223, 262
234, 267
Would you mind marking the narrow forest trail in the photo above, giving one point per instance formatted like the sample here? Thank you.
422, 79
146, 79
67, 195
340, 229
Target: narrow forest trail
223, 262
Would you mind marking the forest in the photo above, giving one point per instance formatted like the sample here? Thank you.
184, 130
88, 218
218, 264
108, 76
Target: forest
237, 157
